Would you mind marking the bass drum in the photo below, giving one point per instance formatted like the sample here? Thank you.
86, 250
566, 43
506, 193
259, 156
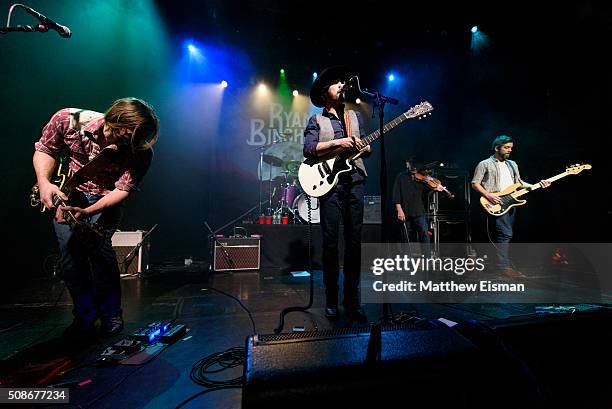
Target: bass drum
301, 208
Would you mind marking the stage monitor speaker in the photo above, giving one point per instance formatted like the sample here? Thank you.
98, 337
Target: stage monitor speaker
236, 253
458, 182
123, 243
316, 369
371, 210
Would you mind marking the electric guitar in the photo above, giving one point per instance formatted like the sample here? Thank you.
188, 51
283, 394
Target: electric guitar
318, 176
510, 196
67, 182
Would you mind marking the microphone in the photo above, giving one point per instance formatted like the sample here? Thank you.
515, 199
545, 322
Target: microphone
48, 23
351, 84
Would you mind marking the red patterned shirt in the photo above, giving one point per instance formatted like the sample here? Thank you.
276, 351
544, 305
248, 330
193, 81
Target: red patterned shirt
77, 131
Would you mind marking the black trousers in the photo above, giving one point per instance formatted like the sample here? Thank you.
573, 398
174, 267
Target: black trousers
344, 203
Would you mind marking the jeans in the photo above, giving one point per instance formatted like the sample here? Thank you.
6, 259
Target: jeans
344, 202
89, 267
502, 228
419, 224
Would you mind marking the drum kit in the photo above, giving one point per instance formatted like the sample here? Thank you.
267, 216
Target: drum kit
286, 201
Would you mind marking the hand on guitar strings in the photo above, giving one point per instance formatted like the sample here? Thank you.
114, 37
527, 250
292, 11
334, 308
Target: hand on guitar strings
544, 183
360, 145
344, 143
47, 191
77, 212
493, 199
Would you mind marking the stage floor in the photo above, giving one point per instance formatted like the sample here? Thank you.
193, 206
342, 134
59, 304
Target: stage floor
33, 318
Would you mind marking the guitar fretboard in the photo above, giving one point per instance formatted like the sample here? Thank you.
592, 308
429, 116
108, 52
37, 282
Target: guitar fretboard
387, 127
537, 185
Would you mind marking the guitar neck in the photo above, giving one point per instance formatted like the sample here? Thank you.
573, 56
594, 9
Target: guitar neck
538, 185
386, 128
68, 216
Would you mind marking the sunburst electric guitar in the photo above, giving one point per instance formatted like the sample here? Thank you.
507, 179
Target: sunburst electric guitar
319, 175
510, 196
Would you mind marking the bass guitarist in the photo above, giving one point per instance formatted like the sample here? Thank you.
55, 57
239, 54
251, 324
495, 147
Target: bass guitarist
494, 175
129, 128
333, 132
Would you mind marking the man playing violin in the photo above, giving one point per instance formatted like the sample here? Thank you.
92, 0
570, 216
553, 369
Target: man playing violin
409, 195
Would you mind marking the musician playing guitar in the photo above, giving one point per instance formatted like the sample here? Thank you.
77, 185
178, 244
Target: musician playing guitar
336, 131
494, 175
128, 129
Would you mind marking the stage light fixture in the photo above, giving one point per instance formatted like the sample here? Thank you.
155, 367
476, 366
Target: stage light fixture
391, 77
295, 93
224, 84
358, 101
474, 29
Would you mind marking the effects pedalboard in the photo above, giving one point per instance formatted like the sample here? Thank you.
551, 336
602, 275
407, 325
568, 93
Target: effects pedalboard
154, 333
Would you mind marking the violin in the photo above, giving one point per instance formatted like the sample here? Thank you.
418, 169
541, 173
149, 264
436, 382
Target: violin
421, 176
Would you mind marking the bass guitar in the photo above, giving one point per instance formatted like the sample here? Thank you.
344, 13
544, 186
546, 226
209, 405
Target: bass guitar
510, 196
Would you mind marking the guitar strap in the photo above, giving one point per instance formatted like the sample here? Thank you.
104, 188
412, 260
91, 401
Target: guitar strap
514, 172
326, 132
101, 161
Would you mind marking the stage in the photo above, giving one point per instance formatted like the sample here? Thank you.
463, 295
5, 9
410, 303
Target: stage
173, 127
33, 320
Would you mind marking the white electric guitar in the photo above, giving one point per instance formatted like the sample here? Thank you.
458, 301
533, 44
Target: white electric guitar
319, 175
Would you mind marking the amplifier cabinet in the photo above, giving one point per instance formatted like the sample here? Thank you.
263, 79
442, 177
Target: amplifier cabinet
236, 253
371, 210
123, 243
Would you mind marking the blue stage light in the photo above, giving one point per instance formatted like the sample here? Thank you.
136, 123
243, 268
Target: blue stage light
314, 75
391, 77
192, 48
474, 29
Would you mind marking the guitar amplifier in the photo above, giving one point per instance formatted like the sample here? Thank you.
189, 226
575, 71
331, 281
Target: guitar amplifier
236, 253
123, 243
371, 210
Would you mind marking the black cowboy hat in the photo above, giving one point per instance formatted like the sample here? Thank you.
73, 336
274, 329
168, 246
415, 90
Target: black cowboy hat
324, 80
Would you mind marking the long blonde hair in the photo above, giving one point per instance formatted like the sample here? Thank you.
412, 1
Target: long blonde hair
137, 116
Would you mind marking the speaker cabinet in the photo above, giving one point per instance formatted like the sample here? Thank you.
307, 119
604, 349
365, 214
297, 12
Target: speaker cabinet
318, 369
236, 253
458, 182
125, 242
371, 210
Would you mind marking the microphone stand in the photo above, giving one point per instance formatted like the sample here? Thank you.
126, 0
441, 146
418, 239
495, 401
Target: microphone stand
127, 260
380, 101
228, 258
261, 161
21, 28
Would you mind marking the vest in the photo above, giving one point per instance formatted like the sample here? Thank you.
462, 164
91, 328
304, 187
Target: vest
326, 133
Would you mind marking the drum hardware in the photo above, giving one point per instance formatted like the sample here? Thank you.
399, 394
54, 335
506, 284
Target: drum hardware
300, 206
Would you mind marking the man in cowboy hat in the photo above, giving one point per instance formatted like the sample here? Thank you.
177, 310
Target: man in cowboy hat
336, 131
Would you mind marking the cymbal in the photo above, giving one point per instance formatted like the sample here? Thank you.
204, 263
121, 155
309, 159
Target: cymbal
293, 166
272, 160
281, 153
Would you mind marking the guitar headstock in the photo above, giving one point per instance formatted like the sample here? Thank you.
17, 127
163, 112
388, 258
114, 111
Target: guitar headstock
577, 168
420, 110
